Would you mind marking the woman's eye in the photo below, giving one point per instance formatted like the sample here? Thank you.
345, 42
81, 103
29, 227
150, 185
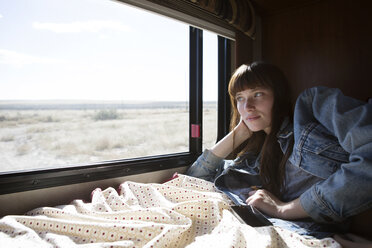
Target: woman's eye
239, 98
258, 94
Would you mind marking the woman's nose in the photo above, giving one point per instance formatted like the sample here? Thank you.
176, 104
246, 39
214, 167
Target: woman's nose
249, 104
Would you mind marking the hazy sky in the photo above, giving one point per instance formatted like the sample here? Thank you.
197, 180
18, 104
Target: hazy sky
96, 49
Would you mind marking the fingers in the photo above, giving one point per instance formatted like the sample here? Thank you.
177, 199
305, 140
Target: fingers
252, 192
264, 201
255, 196
250, 200
244, 129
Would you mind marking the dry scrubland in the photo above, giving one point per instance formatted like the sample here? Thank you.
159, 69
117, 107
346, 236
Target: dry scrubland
46, 138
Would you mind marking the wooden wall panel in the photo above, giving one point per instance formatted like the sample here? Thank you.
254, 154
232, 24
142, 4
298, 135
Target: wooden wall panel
243, 48
327, 43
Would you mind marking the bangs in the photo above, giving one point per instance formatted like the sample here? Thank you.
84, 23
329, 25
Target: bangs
244, 78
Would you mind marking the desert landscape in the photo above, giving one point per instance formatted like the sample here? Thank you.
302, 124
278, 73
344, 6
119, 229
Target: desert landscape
50, 134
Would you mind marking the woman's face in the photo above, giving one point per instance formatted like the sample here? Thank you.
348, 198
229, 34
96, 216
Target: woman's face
255, 106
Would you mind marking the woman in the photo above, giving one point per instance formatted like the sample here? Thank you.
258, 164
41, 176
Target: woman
311, 165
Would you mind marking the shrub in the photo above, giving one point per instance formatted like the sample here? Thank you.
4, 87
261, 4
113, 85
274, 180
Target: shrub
7, 138
106, 114
23, 150
103, 144
49, 119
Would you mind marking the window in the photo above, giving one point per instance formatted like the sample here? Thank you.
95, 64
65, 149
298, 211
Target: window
86, 86
100, 93
210, 66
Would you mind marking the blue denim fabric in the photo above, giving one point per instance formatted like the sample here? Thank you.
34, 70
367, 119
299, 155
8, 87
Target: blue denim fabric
233, 177
333, 141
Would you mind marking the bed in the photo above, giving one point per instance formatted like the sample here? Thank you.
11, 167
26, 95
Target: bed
183, 212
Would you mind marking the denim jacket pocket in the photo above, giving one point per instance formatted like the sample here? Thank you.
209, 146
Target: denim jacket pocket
321, 153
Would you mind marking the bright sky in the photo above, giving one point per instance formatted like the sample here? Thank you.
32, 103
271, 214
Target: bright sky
97, 50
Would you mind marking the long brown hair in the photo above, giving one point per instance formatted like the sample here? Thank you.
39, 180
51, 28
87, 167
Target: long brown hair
272, 160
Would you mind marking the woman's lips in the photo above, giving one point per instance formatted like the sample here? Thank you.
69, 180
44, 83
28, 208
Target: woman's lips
252, 118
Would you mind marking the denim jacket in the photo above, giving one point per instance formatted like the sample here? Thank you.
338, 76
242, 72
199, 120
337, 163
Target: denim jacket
332, 140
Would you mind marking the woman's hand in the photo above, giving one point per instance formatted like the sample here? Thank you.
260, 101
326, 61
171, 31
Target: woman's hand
232, 140
269, 204
266, 202
242, 130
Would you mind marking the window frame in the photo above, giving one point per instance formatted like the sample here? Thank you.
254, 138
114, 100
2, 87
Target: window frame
19, 181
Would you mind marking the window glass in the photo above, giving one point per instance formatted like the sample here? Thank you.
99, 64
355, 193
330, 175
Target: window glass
85, 81
210, 85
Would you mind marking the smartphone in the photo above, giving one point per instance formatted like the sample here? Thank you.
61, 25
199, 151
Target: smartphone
250, 216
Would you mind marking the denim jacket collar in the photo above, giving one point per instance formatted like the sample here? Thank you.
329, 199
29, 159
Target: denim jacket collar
286, 129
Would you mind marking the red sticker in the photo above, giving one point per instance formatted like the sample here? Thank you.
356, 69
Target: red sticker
195, 131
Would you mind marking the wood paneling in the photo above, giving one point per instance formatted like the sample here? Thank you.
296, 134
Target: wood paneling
244, 49
270, 7
325, 43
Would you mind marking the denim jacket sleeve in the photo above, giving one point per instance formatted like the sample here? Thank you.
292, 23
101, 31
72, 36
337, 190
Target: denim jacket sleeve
348, 190
207, 166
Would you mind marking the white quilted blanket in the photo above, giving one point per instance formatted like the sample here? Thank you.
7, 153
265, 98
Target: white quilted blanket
184, 212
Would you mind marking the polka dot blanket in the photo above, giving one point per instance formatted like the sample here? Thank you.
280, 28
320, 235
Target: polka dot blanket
183, 212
